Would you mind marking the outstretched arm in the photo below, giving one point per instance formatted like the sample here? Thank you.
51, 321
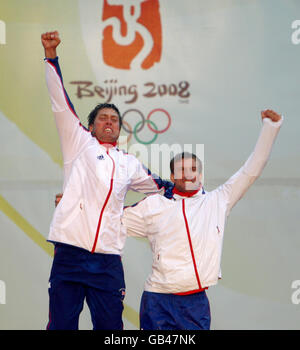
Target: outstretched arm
145, 182
238, 184
73, 135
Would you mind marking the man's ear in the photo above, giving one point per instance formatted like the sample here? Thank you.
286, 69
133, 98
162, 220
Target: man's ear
91, 127
172, 177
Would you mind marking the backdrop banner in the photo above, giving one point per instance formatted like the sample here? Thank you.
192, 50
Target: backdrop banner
187, 76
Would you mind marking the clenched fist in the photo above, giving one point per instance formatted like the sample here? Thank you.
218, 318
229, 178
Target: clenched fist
50, 41
268, 113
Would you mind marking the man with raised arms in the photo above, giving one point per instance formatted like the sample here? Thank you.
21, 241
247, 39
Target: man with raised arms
186, 236
86, 227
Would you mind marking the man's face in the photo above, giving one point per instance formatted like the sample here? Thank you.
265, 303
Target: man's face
106, 127
187, 176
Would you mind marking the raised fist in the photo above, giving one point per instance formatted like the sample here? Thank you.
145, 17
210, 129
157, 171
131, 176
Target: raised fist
268, 113
50, 40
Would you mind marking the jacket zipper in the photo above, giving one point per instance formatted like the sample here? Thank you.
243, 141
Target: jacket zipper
105, 203
190, 243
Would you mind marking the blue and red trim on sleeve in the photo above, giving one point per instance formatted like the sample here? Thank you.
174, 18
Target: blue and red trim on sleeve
166, 185
54, 63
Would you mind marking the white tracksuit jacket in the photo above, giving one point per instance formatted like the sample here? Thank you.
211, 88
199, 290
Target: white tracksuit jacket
96, 180
186, 234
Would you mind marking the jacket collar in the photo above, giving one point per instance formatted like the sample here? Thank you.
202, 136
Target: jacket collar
108, 144
181, 195
105, 144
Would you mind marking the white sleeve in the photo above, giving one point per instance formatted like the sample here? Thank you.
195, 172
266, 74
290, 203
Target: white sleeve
133, 220
234, 189
73, 135
142, 180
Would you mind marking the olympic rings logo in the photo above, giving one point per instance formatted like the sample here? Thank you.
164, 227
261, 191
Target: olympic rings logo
141, 124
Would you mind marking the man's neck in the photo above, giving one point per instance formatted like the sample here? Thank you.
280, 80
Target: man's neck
112, 143
185, 193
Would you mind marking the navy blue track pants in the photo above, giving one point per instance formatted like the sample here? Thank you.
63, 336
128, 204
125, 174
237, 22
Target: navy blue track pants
79, 275
160, 311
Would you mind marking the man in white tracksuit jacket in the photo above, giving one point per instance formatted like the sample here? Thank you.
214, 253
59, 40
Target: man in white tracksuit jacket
86, 227
186, 236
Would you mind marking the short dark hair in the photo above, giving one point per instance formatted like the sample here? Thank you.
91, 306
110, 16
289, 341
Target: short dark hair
94, 112
185, 155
